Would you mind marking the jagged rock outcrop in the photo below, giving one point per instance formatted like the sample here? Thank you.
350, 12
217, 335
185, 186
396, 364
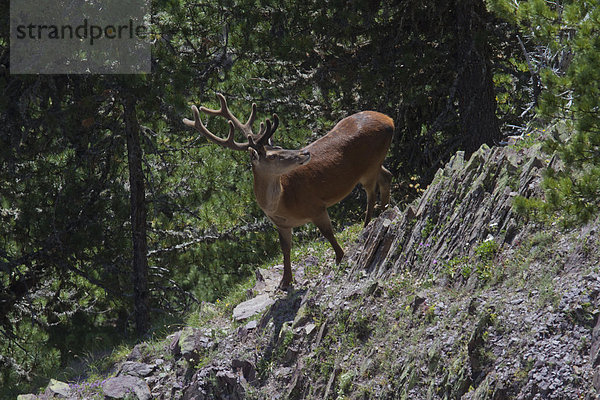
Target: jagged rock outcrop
467, 203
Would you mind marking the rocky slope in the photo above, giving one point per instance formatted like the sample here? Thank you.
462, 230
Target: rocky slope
455, 297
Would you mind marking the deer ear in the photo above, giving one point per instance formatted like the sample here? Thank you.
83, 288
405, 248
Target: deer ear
253, 154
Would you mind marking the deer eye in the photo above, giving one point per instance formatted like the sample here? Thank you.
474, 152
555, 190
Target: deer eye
271, 157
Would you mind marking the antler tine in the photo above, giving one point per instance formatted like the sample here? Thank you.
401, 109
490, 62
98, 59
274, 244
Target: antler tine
224, 111
251, 118
265, 133
275, 123
229, 142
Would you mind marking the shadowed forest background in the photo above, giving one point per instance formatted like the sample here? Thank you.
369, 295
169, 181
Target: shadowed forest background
115, 220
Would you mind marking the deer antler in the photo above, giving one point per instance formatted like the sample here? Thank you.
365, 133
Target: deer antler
229, 142
255, 141
265, 133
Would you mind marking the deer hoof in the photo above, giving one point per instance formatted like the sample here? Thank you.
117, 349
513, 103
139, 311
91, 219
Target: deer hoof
285, 285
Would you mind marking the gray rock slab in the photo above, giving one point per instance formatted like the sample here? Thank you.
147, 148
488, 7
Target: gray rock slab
136, 369
252, 307
121, 386
267, 280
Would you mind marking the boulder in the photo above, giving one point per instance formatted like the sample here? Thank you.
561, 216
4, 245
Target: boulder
57, 389
193, 342
121, 387
246, 368
27, 397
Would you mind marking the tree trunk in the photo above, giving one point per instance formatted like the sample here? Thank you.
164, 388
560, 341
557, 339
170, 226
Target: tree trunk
475, 89
138, 217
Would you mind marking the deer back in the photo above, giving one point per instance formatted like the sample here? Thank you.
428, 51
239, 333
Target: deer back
351, 153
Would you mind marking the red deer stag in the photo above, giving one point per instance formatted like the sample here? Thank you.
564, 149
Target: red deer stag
294, 187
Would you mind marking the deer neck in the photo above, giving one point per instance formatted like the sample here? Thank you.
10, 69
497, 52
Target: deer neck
267, 189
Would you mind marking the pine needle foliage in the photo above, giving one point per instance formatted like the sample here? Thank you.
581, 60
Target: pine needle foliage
564, 38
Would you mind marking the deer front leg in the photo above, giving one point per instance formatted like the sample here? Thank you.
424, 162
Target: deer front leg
285, 240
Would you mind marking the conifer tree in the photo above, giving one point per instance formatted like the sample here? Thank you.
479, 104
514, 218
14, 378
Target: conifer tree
566, 37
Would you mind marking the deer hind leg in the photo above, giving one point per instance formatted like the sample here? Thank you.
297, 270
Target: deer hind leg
323, 222
382, 180
285, 240
384, 183
370, 187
